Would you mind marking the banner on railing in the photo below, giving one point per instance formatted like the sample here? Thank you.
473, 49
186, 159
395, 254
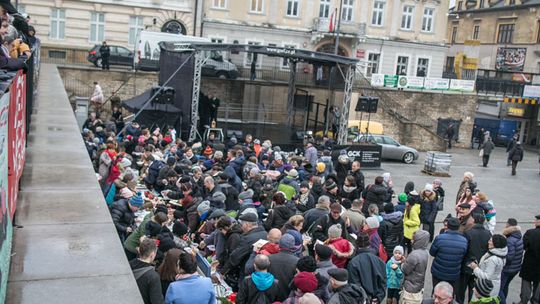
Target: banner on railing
531, 91
5, 220
422, 83
16, 136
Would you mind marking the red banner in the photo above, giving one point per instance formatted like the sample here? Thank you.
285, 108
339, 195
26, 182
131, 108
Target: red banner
16, 137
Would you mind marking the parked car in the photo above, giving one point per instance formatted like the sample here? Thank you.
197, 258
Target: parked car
119, 56
391, 149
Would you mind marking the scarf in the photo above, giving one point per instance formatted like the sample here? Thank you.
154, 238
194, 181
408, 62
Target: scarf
349, 189
304, 197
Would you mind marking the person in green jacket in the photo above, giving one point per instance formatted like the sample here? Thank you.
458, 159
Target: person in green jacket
482, 290
132, 241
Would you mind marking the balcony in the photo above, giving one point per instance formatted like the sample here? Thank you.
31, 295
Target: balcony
498, 87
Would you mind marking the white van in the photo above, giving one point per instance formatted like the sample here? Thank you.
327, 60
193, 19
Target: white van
147, 54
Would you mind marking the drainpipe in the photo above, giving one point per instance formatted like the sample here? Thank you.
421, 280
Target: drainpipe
195, 13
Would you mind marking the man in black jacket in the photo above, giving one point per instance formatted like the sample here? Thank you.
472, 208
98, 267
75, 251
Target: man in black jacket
145, 274
375, 194
238, 258
122, 213
368, 270
478, 238
283, 265
530, 270
343, 291
358, 175
516, 155
105, 53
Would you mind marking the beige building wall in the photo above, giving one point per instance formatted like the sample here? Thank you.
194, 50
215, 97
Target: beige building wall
116, 14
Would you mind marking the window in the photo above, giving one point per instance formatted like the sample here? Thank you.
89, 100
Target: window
58, 24
406, 18
373, 64
481, 4
512, 2
324, 9
427, 20
347, 10
97, 27
256, 6
476, 32
454, 34
402, 65
422, 67
57, 54
248, 56
221, 4
378, 13
506, 31
135, 27
449, 67
217, 40
285, 61
459, 5
292, 8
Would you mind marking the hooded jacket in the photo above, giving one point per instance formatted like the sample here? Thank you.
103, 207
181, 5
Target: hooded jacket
289, 186
515, 249
258, 286
491, 266
411, 222
449, 250
414, 267
392, 230
374, 194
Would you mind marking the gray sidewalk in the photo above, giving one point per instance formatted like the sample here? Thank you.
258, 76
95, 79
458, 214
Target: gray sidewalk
68, 250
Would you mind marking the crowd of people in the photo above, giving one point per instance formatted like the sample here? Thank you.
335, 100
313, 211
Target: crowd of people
279, 227
17, 38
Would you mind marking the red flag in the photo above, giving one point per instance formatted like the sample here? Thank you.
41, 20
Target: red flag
331, 26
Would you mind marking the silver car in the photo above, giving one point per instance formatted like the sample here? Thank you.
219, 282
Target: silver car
391, 149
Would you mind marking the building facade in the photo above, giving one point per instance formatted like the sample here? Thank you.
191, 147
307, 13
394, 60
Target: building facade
504, 38
388, 36
80, 24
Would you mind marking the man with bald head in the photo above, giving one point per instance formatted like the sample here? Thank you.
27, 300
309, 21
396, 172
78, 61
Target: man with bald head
271, 247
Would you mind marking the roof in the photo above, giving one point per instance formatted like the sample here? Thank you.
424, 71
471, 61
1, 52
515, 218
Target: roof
295, 54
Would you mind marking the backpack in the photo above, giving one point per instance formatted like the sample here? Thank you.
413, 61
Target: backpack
153, 172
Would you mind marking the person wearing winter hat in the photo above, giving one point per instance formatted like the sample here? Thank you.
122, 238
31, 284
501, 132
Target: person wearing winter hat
483, 289
428, 209
492, 263
305, 200
371, 228
394, 275
122, 213
283, 265
323, 256
321, 225
342, 250
331, 190
304, 282
218, 200
343, 291
401, 203
289, 185
259, 282
367, 270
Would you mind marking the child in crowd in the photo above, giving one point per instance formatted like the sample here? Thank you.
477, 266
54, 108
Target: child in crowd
394, 276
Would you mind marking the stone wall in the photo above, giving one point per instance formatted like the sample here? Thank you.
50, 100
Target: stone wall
409, 117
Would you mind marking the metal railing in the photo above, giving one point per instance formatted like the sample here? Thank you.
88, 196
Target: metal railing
487, 86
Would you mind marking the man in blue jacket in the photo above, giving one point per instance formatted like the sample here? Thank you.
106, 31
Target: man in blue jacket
449, 250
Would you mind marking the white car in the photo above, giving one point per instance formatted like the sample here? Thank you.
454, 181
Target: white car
391, 149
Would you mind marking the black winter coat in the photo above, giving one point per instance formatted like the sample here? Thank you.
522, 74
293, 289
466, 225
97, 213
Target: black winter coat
149, 283
232, 240
369, 271
375, 194
516, 154
249, 294
478, 238
530, 270
391, 231
122, 217
240, 255
278, 216
359, 177
428, 209
311, 216
320, 231
283, 267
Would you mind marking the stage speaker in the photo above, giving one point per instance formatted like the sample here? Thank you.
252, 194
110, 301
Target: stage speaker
367, 104
299, 135
166, 96
237, 133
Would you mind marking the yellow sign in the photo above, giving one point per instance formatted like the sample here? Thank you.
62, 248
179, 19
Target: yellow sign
516, 111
